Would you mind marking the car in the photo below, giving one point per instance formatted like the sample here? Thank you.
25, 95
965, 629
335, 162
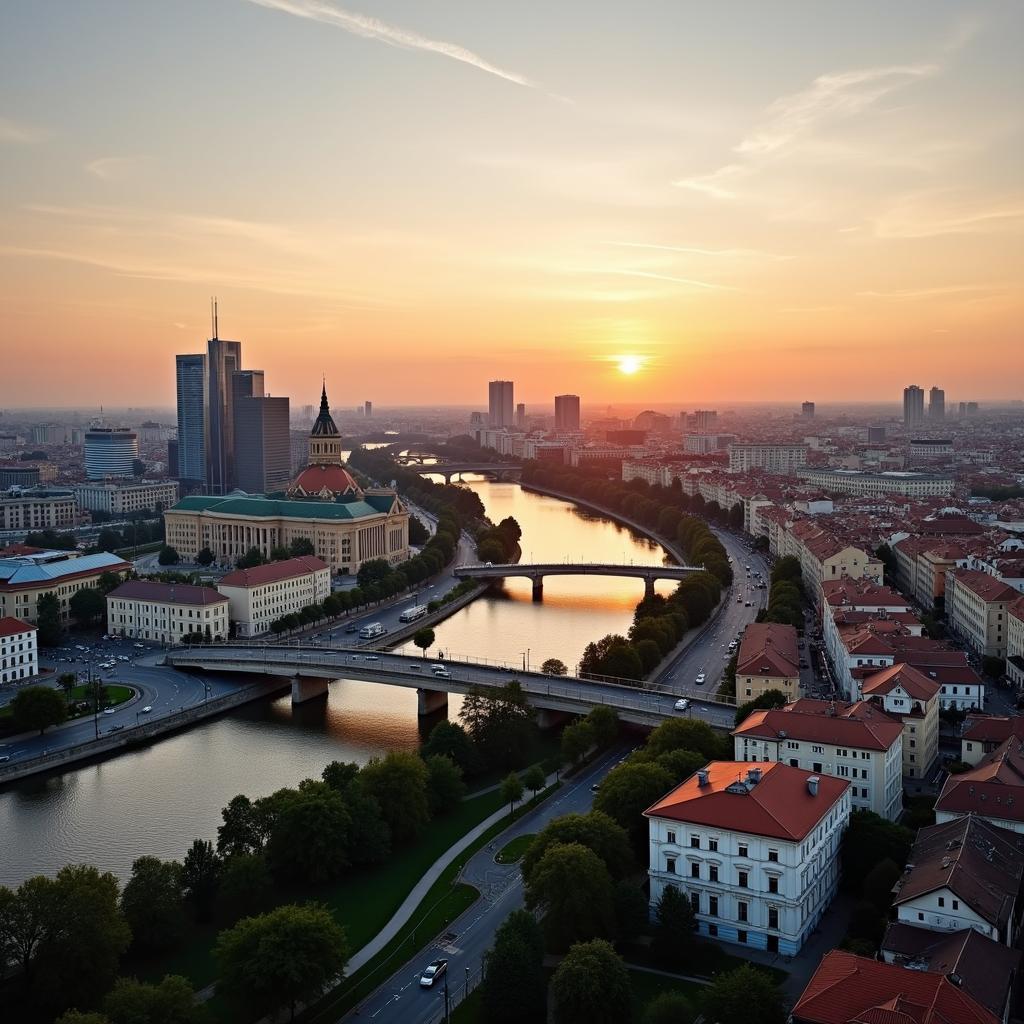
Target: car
437, 666
414, 668
140, 647
595, 786
747, 604
352, 628
682, 704
356, 657
433, 972
739, 600
115, 728
372, 657
700, 679
110, 711
146, 710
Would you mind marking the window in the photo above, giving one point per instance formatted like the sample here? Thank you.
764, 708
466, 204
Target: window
741, 911
695, 842
712, 929
956, 904
920, 916
670, 836
741, 850
816, 767
713, 845
670, 865
695, 902
712, 872
773, 917
773, 883
713, 906
742, 880
942, 901
741, 937
793, 763
695, 870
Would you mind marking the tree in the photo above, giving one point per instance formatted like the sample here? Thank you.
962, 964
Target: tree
171, 1001
244, 829
398, 783
572, 890
595, 831
301, 546
511, 790
763, 701
48, 620
250, 559
67, 681
879, 882
744, 995
681, 763
869, 839
373, 571
200, 875
591, 986
168, 556
37, 707
311, 834
604, 722
628, 790
152, 903
87, 605
501, 723
279, 959
632, 912
670, 1007
418, 533
534, 778
674, 928
205, 557
107, 582
423, 639
577, 739
513, 990
683, 734
245, 886
77, 1017
445, 788
554, 667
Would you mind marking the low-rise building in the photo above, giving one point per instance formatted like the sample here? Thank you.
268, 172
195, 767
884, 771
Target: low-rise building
1015, 643
993, 789
37, 509
25, 578
982, 734
768, 659
862, 482
265, 593
166, 612
754, 847
772, 458
19, 656
965, 873
857, 742
911, 697
121, 499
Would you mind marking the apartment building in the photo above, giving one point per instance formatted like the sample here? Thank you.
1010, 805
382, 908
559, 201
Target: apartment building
858, 743
993, 789
768, 659
19, 655
1015, 643
977, 610
823, 557
166, 612
122, 499
862, 482
37, 509
772, 458
982, 734
265, 593
911, 697
754, 847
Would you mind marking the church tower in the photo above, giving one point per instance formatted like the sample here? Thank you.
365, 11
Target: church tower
324, 439
325, 478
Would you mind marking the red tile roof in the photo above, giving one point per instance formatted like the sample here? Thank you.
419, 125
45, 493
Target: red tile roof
847, 593
768, 649
988, 588
859, 725
993, 788
167, 593
779, 806
849, 989
273, 572
915, 683
324, 479
11, 627
992, 728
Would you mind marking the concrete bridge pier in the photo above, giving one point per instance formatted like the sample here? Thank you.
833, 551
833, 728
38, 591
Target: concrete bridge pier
538, 588
308, 688
429, 701
648, 587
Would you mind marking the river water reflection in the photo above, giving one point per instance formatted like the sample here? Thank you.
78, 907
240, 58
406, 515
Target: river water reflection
156, 800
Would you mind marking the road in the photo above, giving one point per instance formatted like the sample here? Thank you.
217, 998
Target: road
400, 999
164, 690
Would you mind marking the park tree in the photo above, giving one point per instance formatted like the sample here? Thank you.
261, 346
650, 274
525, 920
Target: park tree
37, 707
554, 667
398, 782
683, 734
604, 722
513, 990
78, 1017
423, 639
511, 790
170, 1001
374, 570
681, 763
571, 889
152, 903
534, 778
501, 723
245, 886
445, 788
67, 682
277, 960
744, 995
674, 928
168, 556
48, 620
669, 1007
632, 911
200, 876
87, 605
577, 739
205, 557
869, 839
591, 986
595, 831
370, 836
628, 790
311, 833
244, 829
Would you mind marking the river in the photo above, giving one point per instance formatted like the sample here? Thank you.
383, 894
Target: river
157, 799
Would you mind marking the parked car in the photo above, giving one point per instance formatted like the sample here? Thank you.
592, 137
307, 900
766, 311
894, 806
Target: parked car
433, 972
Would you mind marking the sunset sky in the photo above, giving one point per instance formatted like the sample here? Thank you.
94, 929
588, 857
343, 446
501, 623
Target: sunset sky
760, 200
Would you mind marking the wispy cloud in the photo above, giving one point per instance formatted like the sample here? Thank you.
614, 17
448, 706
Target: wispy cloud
18, 133
689, 282
114, 168
923, 217
694, 251
372, 28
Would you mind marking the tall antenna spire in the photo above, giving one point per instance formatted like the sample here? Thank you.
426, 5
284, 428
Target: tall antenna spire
215, 316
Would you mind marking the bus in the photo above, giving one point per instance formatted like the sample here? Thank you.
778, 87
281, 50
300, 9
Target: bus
417, 611
374, 629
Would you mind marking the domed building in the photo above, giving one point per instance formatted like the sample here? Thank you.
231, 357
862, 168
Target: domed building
325, 478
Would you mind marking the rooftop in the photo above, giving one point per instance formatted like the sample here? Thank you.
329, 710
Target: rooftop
994, 788
11, 627
273, 572
768, 649
15, 572
859, 725
274, 508
166, 593
914, 683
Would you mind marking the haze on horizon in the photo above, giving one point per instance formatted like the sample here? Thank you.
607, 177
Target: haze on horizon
637, 203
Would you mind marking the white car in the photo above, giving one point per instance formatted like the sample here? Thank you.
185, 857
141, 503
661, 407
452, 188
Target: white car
682, 704
700, 679
433, 972
140, 647
372, 657
146, 710
110, 711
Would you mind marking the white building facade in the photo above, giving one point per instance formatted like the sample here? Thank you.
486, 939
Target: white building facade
265, 593
19, 657
166, 612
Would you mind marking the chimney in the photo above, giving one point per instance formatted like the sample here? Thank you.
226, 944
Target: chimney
754, 776
812, 785
702, 777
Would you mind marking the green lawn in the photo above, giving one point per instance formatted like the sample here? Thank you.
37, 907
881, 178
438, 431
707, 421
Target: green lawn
647, 986
115, 695
514, 850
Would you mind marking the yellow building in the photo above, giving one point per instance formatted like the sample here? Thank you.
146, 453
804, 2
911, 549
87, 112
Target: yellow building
265, 593
976, 610
912, 697
166, 612
768, 659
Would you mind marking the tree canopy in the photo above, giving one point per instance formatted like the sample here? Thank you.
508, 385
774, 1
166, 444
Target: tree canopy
591, 986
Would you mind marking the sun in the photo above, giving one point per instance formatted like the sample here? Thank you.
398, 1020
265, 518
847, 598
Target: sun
630, 364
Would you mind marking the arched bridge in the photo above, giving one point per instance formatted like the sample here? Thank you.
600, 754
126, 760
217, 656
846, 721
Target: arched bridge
536, 573
495, 470
311, 668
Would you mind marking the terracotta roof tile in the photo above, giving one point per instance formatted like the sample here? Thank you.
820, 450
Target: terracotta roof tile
273, 572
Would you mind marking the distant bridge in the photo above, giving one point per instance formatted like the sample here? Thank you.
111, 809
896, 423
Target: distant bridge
536, 573
311, 668
495, 470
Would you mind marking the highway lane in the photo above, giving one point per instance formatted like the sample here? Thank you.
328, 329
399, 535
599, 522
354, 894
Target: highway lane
400, 999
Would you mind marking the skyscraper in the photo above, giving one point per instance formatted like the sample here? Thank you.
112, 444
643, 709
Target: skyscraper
705, 421
567, 412
110, 451
807, 410
262, 456
368, 409
223, 358
190, 466
500, 404
936, 404
913, 406
520, 415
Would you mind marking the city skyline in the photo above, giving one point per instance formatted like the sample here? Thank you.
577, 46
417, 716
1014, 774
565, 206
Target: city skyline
657, 225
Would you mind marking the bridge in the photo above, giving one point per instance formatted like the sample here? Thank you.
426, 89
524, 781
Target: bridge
495, 470
310, 669
536, 573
